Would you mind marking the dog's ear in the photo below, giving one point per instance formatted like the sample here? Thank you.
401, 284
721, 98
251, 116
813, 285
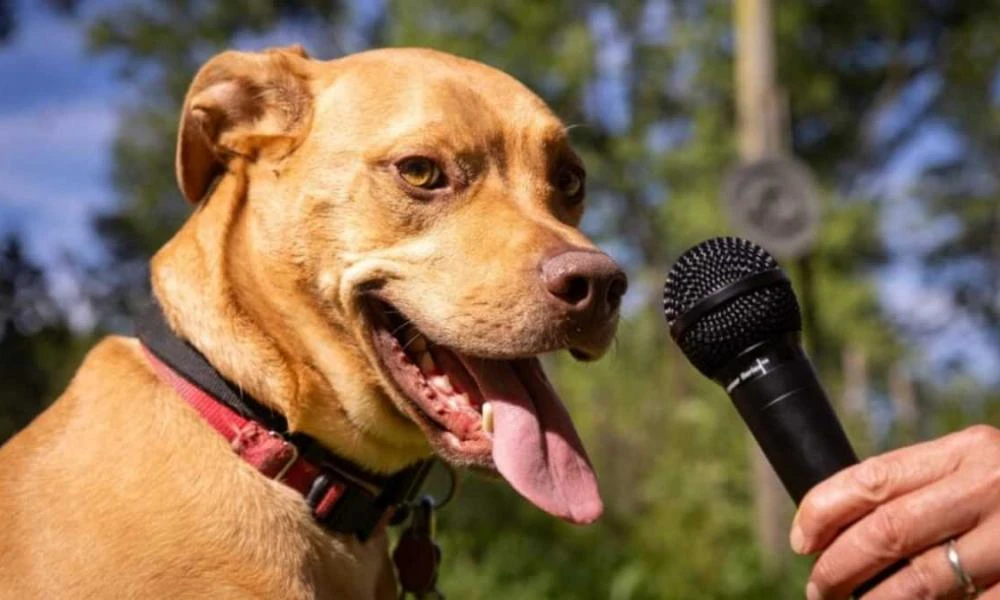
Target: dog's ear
245, 105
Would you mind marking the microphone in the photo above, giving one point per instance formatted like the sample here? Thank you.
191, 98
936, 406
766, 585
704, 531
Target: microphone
734, 315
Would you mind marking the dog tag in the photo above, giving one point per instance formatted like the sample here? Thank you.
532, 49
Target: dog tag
417, 556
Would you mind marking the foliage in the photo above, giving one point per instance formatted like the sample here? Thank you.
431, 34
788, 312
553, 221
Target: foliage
38, 351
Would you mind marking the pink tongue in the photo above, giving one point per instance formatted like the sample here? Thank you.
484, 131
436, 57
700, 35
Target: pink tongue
535, 446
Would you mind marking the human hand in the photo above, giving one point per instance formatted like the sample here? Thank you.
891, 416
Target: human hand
907, 504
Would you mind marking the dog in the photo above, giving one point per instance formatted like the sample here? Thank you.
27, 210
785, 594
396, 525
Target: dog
380, 248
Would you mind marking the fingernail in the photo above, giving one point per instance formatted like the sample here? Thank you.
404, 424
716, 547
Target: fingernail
812, 592
797, 539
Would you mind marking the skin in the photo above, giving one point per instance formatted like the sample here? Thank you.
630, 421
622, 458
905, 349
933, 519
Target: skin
120, 490
907, 504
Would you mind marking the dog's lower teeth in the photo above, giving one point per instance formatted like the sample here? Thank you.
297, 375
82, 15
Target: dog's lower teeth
442, 383
487, 417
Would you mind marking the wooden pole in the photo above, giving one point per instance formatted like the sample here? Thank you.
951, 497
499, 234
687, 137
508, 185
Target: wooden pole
761, 134
758, 98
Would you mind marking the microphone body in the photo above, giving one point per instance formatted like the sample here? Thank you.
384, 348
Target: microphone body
734, 315
776, 391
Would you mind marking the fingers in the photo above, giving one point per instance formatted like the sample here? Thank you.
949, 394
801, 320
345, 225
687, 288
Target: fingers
899, 529
854, 492
930, 575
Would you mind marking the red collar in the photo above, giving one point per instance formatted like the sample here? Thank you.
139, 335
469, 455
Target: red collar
341, 498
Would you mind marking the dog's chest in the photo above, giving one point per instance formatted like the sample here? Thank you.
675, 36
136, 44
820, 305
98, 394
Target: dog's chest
353, 571
313, 564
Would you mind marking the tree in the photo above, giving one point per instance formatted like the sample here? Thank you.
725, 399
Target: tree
37, 349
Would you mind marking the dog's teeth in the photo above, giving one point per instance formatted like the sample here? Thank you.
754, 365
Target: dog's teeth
418, 343
442, 383
487, 417
426, 362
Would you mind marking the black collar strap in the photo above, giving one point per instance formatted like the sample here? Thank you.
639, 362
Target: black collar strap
367, 497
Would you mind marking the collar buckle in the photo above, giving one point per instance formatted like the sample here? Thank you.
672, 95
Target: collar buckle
293, 451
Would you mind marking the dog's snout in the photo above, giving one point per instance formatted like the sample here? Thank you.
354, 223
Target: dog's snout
585, 281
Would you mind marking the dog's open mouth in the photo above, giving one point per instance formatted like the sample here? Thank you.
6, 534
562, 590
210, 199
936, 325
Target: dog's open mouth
501, 414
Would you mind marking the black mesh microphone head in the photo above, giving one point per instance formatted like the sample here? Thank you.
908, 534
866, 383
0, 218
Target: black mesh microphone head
713, 334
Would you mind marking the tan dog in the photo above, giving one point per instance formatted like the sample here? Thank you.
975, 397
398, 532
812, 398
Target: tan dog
381, 247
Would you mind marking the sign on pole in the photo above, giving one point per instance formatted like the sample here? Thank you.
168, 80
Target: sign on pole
773, 201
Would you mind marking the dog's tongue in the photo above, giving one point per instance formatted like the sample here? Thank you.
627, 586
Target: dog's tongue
535, 446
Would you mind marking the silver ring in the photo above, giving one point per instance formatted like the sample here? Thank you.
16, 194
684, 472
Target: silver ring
964, 580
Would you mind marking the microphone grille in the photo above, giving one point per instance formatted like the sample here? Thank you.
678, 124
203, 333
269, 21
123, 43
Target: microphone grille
754, 316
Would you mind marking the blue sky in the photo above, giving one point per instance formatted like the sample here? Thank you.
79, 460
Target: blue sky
58, 116
58, 112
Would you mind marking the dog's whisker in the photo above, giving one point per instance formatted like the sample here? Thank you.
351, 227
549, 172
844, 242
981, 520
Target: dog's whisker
411, 340
401, 327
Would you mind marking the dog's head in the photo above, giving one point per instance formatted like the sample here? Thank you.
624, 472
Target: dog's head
408, 234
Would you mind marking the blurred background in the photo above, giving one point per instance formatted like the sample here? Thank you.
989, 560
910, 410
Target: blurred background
892, 108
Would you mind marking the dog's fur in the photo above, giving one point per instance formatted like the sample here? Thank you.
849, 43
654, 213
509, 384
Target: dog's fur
121, 490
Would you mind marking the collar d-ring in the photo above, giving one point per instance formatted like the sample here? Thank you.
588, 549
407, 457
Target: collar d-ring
452, 486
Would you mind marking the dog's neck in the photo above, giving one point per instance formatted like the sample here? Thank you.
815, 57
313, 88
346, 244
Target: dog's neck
204, 280
190, 279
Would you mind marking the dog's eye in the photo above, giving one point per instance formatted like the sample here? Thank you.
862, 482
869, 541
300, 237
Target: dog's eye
569, 181
421, 172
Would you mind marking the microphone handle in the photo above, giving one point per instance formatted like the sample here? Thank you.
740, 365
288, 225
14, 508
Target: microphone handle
776, 391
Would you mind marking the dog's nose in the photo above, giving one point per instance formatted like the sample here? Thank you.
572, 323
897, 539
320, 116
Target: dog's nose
585, 281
